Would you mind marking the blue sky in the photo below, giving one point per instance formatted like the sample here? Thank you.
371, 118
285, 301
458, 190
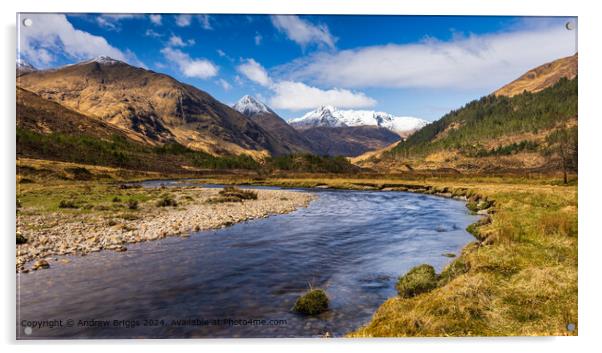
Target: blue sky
421, 66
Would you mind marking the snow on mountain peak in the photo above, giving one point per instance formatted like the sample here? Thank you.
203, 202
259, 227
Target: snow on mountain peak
107, 60
249, 106
329, 116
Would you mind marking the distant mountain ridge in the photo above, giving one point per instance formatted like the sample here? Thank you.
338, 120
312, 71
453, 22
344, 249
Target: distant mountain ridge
329, 116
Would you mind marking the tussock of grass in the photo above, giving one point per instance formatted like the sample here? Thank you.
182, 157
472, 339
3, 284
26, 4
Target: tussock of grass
132, 204
313, 302
68, 204
167, 201
233, 194
419, 279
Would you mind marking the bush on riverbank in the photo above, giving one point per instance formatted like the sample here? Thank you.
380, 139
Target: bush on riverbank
419, 279
313, 302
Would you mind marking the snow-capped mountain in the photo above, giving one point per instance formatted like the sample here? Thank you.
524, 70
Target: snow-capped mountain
250, 106
107, 60
329, 116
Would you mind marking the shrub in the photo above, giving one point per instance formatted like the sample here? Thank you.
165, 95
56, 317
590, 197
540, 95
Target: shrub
132, 204
167, 201
419, 279
116, 199
312, 303
68, 204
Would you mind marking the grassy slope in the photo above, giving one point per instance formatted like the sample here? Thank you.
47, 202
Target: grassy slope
521, 274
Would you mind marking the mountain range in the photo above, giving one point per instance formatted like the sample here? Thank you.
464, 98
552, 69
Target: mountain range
329, 116
131, 116
349, 135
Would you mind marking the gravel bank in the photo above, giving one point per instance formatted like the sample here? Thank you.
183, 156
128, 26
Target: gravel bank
62, 233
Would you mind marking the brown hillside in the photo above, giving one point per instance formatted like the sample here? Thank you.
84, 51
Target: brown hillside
152, 104
541, 77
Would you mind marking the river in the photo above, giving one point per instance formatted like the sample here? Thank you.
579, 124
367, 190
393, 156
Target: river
241, 281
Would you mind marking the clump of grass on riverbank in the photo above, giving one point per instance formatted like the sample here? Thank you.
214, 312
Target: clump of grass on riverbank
419, 279
233, 194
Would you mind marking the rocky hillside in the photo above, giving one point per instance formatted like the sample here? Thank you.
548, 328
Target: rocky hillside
541, 77
273, 123
156, 106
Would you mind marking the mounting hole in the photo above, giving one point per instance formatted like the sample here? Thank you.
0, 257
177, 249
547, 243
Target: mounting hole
28, 330
570, 26
28, 22
570, 327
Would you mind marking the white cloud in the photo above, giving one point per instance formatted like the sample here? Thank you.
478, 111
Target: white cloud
155, 19
299, 96
177, 41
465, 62
183, 20
199, 68
303, 32
225, 84
221, 53
258, 39
53, 36
255, 72
204, 20
151, 33
111, 21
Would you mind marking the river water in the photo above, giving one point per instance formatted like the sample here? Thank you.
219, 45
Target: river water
242, 281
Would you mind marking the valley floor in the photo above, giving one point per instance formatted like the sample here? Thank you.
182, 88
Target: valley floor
518, 278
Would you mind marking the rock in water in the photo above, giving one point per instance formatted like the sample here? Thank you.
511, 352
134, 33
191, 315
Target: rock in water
40, 264
312, 303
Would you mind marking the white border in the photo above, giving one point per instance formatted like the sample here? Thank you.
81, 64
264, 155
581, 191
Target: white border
589, 130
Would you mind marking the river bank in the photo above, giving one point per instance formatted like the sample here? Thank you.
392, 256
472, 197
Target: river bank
77, 219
